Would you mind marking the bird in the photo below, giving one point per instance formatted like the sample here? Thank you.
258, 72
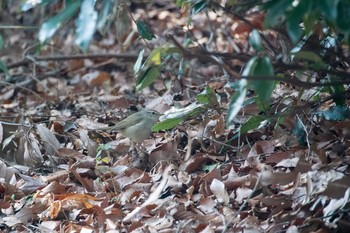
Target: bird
138, 126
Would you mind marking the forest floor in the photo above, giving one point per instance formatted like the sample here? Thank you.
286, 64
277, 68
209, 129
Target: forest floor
60, 173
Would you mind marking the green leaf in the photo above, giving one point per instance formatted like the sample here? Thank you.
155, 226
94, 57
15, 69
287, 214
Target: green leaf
254, 122
309, 22
275, 9
294, 18
262, 67
237, 101
167, 124
207, 96
198, 7
175, 116
138, 63
308, 56
255, 41
293, 26
49, 28
343, 21
299, 132
338, 92
147, 78
329, 8
4, 69
86, 24
155, 57
337, 113
250, 66
104, 14
144, 30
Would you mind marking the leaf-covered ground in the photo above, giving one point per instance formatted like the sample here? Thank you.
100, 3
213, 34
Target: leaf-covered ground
286, 170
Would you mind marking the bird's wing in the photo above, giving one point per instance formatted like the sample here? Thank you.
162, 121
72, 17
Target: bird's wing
127, 122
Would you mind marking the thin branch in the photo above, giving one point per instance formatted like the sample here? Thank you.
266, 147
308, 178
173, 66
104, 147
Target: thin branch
27, 60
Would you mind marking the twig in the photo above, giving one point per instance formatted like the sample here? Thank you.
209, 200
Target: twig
27, 60
210, 57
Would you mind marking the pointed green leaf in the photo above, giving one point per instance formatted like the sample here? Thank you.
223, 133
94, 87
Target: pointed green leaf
237, 101
104, 14
50, 26
147, 78
155, 57
167, 124
299, 131
86, 24
262, 67
254, 122
198, 7
343, 16
329, 8
308, 56
263, 88
275, 10
206, 96
4, 69
295, 17
175, 116
138, 63
255, 41
144, 30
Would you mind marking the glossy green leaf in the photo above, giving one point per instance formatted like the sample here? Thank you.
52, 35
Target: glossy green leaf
329, 8
191, 110
343, 21
295, 17
293, 26
275, 10
144, 30
255, 41
261, 67
198, 7
338, 93
309, 22
147, 78
138, 63
86, 24
308, 56
241, 88
49, 28
155, 57
4, 69
206, 96
237, 101
299, 132
104, 14
250, 66
254, 122
174, 116
167, 124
